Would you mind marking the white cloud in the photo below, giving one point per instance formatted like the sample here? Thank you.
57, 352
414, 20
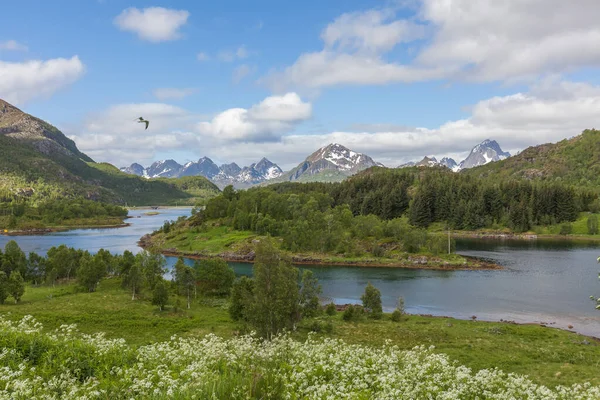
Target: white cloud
241, 72
372, 31
24, 81
265, 121
549, 112
115, 136
13, 45
203, 56
483, 40
173, 93
154, 24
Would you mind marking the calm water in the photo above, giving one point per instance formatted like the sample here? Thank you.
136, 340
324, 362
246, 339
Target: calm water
544, 281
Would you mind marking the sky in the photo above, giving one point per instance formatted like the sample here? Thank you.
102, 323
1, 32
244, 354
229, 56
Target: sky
240, 80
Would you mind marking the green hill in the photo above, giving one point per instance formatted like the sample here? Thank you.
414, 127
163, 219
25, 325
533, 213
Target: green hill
38, 162
574, 161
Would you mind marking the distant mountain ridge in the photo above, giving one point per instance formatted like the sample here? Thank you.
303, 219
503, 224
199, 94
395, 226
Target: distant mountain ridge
226, 174
483, 153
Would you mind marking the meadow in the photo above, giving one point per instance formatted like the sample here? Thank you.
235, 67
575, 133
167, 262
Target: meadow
179, 352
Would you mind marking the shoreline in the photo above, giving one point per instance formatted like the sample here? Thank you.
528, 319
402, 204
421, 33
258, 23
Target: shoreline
416, 262
552, 325
45, 231
518, 236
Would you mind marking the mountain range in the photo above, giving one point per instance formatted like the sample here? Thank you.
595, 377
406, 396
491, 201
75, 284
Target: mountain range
331, 163
226, 174
483, 153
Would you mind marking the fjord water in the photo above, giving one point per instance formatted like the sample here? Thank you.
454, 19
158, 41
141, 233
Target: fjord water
543, 281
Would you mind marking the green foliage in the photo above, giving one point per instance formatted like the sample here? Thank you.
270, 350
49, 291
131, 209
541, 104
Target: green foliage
4, 287
132, 273
353, 313
185, 278
566, 229
160, 294
592, 224
91, 270
371, 300
39, 177
215, 277
399, 311
14, 259
16, 285
275, 301
242, 292
571, 161
396, 316
309, 294
330, 309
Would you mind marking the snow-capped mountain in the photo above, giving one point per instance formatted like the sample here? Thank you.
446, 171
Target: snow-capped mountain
227, 174
134, 169
229, 170
485, 152
425, 162
164, 169
449, 163
333, 159
205, 167
256, 173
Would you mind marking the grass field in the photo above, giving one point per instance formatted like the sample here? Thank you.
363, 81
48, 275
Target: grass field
548, 356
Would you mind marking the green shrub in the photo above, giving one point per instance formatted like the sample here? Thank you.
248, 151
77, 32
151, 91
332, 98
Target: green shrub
330, 309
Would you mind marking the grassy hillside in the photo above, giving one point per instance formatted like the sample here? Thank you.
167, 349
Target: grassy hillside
38, 162
574, 161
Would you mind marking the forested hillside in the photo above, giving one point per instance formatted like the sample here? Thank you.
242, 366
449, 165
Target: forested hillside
574, 161
382, 213
37, 162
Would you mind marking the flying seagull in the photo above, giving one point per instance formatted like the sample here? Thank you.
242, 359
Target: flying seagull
145, 121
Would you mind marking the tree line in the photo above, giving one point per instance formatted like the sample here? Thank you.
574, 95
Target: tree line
319, 216
20, 211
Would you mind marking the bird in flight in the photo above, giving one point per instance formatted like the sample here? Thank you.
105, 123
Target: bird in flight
145, 121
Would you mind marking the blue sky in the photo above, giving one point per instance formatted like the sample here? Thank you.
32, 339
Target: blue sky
238, 80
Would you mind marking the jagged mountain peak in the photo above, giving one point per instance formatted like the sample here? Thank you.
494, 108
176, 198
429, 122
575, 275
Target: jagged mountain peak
222, 176
483, 153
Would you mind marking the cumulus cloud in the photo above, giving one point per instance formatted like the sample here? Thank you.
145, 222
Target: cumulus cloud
24, 81
468, 40
13, 45
265, 121
549, 111
113, 135
154, 24
173, 93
